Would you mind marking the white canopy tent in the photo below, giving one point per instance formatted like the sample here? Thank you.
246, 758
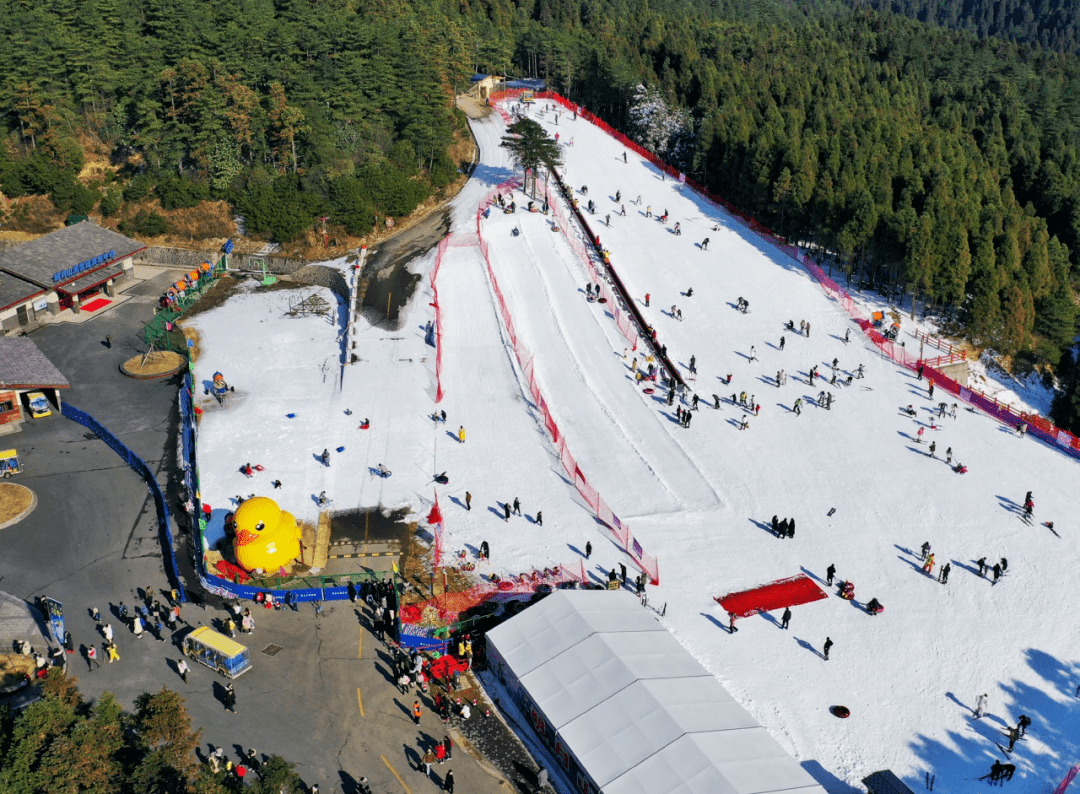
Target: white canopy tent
636, 711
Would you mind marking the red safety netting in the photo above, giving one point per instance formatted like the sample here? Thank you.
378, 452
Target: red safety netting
619, 530
1038, 426
443, 244
1068, 780
448, 608
782, 593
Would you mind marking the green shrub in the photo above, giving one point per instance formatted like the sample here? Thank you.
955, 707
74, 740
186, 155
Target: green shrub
180, 192
111, 201
138, 187
145, 224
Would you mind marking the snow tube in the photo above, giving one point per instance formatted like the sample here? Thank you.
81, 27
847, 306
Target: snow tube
648, 390
506, 585
843, 712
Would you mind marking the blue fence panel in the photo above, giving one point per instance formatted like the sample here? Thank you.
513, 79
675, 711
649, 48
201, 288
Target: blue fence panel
133, 460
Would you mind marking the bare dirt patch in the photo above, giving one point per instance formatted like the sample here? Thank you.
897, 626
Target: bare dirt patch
157, 364
14, 500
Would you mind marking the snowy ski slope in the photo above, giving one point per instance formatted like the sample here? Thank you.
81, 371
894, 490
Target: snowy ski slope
700, 499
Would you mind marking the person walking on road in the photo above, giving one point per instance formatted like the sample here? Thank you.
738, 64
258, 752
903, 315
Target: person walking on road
91, 658
427, 761
230, 698
182, 668
114, 655
448, 782
417, 712
107, 632
786, 618
828, 646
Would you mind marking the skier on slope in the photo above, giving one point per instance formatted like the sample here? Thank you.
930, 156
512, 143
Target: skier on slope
980, 706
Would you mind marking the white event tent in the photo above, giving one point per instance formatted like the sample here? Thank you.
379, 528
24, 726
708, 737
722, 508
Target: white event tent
623, 708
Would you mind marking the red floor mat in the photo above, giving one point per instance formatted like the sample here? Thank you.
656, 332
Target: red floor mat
782, 593
95, 304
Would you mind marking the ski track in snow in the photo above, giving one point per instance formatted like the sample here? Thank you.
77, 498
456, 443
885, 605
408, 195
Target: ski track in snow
562, 365
699, 499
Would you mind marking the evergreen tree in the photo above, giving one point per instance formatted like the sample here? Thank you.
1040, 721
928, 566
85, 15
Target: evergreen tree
530, 147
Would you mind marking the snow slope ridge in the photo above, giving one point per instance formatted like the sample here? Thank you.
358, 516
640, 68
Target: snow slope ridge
910, 674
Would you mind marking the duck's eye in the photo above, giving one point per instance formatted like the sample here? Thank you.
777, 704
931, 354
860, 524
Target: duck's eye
260, 526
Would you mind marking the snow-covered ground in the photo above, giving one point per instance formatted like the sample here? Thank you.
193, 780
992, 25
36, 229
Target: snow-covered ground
700, 498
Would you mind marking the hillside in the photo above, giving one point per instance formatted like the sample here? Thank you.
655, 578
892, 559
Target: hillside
928, 164
1053, 25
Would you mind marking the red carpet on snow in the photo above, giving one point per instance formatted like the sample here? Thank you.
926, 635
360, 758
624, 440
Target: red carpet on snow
782, 593
95, 304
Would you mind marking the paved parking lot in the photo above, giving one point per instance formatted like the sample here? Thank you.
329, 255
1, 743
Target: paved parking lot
324, 701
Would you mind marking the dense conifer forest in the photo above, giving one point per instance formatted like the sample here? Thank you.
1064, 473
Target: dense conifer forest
926, 162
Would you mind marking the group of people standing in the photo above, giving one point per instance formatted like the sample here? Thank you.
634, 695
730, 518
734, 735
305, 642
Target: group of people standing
784, 528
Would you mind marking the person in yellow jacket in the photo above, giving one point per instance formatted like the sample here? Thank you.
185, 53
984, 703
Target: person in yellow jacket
461, 434
113, 655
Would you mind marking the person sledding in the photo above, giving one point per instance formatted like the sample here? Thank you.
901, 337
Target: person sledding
910, 411
442, 479
365, 424
847, 590
873, 606
382, 471
960, 468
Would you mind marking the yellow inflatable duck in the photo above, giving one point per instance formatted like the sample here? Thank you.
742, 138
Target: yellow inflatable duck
267, 537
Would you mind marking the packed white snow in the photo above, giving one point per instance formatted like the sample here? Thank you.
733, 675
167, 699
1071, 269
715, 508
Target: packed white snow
700, 499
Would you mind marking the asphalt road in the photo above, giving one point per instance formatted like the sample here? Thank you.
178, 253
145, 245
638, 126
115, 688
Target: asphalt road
324, 701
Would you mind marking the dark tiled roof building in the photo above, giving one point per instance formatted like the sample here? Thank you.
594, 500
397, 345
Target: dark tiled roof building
60, 270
